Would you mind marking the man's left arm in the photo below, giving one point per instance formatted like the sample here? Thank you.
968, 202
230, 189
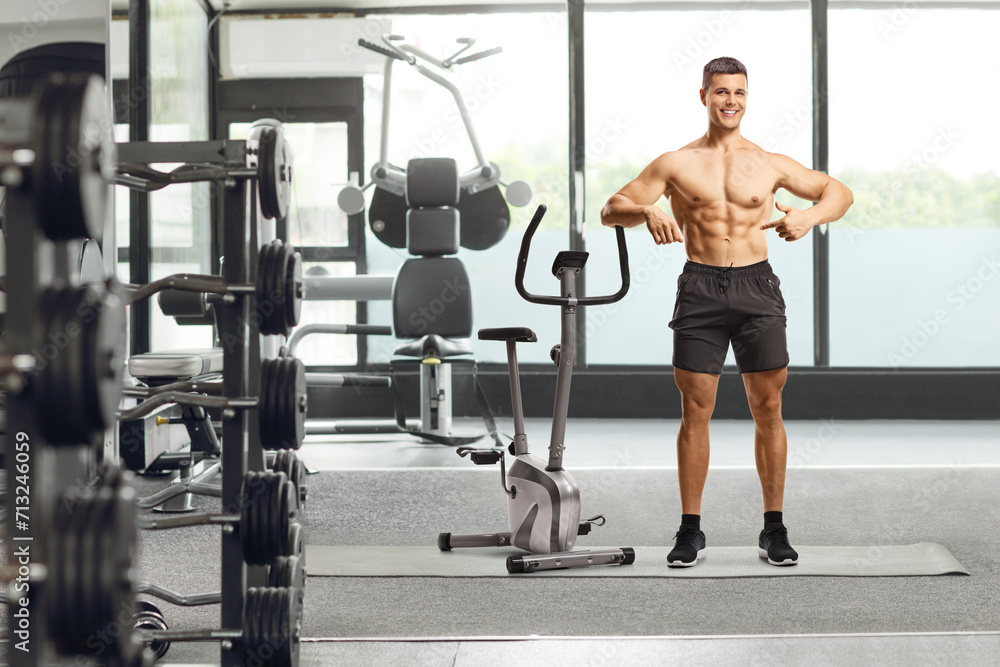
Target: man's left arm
832, 198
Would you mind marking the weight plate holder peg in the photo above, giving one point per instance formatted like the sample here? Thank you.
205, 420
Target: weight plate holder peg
281, 401
279, 288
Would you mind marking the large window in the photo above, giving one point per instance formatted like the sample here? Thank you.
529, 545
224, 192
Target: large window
643, 74
180, 214
914, 272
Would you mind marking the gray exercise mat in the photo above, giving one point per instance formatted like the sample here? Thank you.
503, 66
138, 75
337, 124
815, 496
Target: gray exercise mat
923, 559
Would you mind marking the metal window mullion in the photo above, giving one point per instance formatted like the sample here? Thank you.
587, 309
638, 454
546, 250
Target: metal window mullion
821, 162
577, 154
139, 119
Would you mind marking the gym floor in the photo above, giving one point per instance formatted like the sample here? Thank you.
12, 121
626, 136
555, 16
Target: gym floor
797, 620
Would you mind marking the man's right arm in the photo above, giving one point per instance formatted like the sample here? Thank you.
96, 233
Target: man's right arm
633, 205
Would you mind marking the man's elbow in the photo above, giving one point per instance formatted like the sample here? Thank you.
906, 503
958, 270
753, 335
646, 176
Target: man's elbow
848, 197
607, 212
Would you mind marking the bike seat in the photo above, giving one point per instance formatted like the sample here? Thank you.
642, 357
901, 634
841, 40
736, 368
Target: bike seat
569, 259
519, 334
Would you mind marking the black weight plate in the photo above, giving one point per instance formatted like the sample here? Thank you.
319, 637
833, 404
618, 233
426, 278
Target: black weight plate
272, 627
299, 397
251, 630
287, 462
74, 154
285, 512
77, 583
274, 321
105, 352
248, 516
54, 400
62, 543
280, 462
294, 542
265, 403
292, 402
274, 410
286, 403
269, 408
265, 283
82, 344
294, 289
289, 626
286, 163
299, 474
271, 290
28, 67
286, 571
93, 594
274, 172
484, 218
290, 572
267, 172
120, 558
387, 218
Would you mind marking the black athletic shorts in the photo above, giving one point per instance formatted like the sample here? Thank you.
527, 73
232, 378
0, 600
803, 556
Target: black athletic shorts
717, 305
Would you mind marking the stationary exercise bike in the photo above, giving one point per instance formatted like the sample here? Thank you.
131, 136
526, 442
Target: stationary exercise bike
543, 500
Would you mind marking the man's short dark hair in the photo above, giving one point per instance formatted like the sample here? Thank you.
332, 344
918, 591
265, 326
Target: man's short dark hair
722, 65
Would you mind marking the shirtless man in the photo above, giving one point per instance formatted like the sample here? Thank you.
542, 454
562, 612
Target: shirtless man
721, 189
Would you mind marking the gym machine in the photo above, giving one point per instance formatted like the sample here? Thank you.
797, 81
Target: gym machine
543, 499
417, 208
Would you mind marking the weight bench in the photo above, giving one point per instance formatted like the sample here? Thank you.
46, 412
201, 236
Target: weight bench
147, 448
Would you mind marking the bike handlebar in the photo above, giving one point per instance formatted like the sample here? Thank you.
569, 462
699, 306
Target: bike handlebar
522, 263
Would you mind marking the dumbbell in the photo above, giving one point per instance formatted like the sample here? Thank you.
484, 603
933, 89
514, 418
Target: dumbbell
271, 628
265, 523
281, 401
279, 290
57, 143
74, 372
269, 161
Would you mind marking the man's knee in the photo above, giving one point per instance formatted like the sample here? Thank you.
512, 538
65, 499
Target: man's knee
697, 402
765, 407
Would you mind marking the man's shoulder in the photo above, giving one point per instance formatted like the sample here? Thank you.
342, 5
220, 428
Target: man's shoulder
682, 154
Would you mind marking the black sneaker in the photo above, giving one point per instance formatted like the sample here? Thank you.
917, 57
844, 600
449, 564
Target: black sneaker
773, 545
689, 547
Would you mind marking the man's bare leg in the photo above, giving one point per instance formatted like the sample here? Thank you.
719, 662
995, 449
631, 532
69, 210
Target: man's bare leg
770, 442
697, 404
771, 451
